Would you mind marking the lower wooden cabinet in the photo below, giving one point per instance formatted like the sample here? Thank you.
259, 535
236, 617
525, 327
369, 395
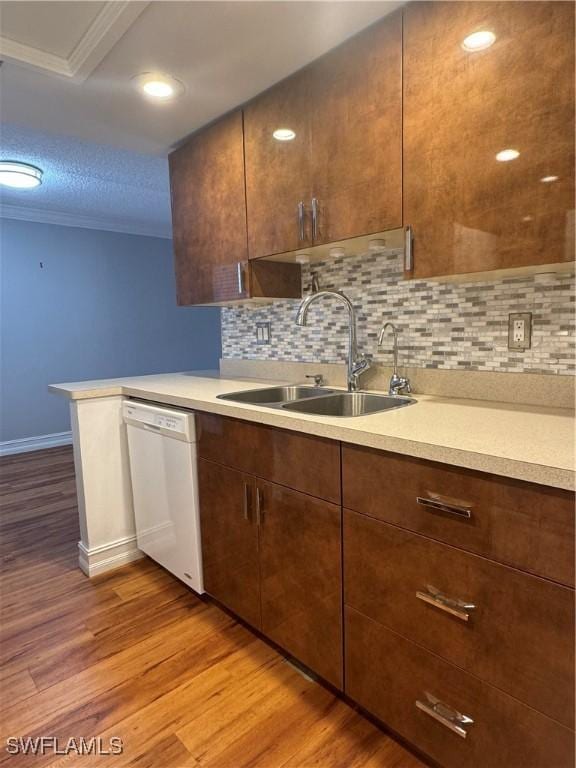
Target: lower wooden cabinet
458, 627
229, 540
509, 628
452, 716
528, 526
273, 556
301, 577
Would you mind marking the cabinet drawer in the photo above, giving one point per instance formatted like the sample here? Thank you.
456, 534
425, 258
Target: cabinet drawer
522, 524
397, 681
519, 636
307, 464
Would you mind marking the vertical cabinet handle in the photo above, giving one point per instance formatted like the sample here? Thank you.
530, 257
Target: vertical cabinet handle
447, 716
314, 218
408, 249
240, 276
301, 232
246, 501
455, 607
259, 506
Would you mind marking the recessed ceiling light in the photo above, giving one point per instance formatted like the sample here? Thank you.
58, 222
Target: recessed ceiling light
505, 155
158, 87
548, 179
284, 134
479, 41
19, 175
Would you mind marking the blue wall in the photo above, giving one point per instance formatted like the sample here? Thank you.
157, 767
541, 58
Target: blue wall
102, 305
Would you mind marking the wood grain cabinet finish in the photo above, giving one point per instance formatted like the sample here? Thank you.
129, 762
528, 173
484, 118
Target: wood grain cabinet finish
229, 539
519, 635
356, 133
301, 577
278, 172
302, 462
387, 675
469, 212
209, 214
346, 111
209, 223
521, 524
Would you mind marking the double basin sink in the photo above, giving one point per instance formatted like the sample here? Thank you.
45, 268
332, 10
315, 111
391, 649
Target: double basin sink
320, 401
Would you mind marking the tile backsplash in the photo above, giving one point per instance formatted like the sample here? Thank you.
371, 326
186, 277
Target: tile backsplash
462, 326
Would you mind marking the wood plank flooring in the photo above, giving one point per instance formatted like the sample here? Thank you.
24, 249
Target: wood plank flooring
134, 654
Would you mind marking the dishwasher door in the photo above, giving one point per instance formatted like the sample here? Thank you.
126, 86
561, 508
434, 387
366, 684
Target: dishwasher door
163, 468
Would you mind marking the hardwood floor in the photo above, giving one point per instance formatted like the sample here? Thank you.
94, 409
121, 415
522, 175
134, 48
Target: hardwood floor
134, 654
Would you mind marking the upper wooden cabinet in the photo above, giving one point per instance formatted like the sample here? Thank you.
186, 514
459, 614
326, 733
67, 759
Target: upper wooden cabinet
469, 211
399, 126
340, 176
209, 223
278, 184
356, 134
209, 214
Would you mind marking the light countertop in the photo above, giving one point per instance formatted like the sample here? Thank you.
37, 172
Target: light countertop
523, 442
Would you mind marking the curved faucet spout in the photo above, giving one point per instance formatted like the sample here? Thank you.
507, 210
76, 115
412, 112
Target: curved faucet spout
356, 365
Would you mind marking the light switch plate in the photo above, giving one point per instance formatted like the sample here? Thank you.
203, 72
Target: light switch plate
520, 330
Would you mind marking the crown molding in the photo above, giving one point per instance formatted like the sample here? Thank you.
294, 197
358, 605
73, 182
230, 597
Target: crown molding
63, 219
115, 18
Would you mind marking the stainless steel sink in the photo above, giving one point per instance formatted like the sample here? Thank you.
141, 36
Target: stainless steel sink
349, 404
275, 396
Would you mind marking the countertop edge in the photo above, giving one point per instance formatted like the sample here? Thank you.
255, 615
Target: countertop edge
540, 474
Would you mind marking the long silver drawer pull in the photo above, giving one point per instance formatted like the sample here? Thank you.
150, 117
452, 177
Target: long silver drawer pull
458, 608
246, 501
444, 714
240, 276
259, 505
442, 506
301, 233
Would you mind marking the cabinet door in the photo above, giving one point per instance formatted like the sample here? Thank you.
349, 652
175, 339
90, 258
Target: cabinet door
301, 577
229, 539
278, 172
469, 211
356, 133
209, 214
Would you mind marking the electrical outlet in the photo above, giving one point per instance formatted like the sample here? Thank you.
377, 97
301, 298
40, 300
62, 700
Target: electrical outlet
520, 330
262, 333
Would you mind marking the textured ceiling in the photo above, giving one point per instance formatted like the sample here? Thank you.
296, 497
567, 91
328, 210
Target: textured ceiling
88, 184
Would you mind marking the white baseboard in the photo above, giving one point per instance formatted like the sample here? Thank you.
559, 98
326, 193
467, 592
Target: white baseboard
24, 444
108, 556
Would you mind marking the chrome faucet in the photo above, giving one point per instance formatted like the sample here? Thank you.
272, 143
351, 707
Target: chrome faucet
398, 384
357, 364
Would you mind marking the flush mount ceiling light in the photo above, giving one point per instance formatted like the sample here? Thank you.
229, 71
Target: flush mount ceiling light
19, 175
505, 155
158, 87
479, 41
284, 134
549, 179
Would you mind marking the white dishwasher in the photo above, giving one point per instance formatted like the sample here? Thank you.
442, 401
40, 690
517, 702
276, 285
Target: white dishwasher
162, 446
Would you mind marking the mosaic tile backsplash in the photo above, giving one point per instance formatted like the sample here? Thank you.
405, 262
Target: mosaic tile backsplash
441, 325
